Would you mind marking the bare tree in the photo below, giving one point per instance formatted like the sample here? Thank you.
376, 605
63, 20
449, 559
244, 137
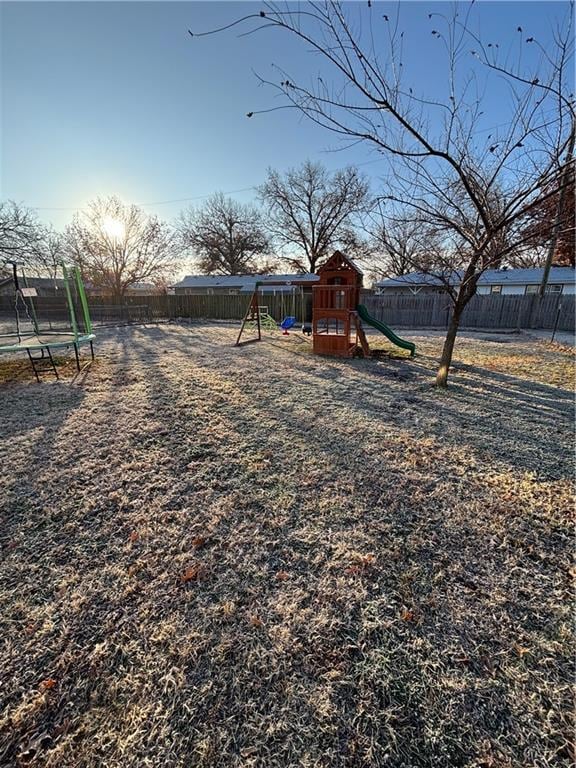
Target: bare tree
227, 237
20, 232
400, 243
47, 254
472, 188
310, 211
396, 248
117, 245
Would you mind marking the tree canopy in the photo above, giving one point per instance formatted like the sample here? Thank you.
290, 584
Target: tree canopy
226, 237
311, 211
117, 245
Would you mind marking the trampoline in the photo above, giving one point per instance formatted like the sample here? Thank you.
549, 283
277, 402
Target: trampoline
40, 324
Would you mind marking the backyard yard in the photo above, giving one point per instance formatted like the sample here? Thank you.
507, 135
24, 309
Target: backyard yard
259, 558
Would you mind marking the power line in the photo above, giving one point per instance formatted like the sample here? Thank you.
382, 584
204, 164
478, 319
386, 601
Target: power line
198, 197
177, 200
231, 192
158, 202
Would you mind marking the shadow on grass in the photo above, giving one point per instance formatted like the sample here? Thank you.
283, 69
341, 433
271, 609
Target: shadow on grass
334, 670
487, 704
501, 417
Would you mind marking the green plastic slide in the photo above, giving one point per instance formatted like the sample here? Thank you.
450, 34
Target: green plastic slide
383, 328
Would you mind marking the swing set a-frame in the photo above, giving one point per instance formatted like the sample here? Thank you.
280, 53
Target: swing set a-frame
257, 317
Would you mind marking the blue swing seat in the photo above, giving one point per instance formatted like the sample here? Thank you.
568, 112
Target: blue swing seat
288, 322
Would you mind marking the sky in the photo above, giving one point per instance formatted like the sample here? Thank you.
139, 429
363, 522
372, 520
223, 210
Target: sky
103, 98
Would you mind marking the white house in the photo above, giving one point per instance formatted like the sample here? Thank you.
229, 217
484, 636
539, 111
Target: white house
495, 281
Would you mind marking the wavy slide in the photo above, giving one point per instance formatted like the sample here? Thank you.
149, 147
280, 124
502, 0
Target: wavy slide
383, 328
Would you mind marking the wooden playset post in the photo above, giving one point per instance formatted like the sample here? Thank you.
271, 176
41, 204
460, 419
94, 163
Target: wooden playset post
335, 298
252, 315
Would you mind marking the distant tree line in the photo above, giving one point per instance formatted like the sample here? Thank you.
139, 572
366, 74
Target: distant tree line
298, 219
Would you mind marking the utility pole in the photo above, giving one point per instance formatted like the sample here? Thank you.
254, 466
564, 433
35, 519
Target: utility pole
559, 209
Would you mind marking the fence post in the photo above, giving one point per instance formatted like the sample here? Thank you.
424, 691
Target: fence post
558, 310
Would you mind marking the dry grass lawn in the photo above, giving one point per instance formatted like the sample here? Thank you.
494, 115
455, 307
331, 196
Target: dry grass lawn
259, 558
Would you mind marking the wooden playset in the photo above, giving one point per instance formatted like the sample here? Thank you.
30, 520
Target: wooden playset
337, 314
336, 327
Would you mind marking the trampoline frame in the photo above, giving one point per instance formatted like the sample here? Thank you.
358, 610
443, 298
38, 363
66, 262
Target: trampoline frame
45, 341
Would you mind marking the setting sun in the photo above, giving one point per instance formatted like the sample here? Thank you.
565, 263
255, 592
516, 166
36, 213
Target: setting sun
113, 227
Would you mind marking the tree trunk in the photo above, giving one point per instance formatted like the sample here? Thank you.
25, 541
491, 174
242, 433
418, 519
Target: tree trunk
448, 348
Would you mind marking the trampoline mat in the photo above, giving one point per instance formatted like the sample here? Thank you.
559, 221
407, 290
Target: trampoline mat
42, 340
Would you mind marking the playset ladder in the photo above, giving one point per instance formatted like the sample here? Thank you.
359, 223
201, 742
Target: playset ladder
361, 335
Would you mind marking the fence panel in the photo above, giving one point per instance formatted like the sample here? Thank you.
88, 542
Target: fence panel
428, 310
482, 311
419, 311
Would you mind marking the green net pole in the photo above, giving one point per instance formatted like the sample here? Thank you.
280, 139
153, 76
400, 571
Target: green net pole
70, 302
83, 300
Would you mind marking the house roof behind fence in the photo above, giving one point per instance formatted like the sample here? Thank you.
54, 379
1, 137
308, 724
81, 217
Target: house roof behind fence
35, 282
244, 283
141, 287
490, 277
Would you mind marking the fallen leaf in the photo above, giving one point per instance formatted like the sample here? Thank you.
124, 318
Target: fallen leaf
199, 541
520, 650
362, 563
133, 536
62, 727
192, 573
408, 615
255, 621
47, 684
282, 575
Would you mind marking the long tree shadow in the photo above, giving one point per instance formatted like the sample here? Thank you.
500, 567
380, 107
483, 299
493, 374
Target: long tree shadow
35, 407
523, 424
561, 399
333, 447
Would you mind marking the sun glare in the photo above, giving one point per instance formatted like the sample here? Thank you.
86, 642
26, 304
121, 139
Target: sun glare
113, 227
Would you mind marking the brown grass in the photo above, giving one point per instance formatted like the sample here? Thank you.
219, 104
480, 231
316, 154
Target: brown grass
257, 557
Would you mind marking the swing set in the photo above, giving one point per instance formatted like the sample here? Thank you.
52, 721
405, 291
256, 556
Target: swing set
258, 318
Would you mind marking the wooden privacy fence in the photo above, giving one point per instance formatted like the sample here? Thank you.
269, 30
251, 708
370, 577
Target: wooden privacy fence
423, 311
51, 311
482, 311
215, 307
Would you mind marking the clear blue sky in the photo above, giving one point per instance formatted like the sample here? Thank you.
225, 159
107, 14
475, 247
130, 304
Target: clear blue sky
116, 98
